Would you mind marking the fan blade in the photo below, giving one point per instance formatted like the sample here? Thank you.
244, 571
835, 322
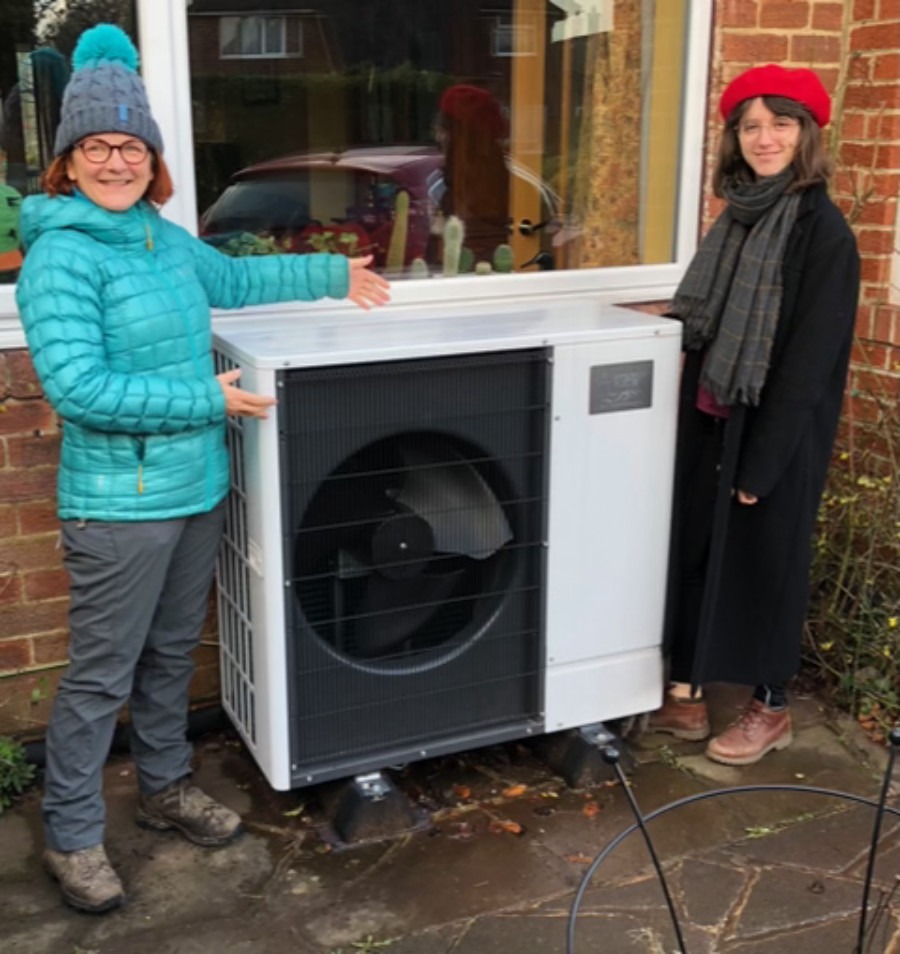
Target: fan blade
393, 610
350, 566
462, 511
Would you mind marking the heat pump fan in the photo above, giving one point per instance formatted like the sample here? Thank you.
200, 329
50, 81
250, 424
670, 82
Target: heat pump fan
398, 548
452, 533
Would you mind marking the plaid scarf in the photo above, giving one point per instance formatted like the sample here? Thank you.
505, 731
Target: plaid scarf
731, 293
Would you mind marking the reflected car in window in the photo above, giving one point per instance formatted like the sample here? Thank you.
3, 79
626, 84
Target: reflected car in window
347, 202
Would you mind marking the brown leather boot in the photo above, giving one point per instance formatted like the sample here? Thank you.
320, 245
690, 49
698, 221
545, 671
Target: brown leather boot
198, 817
756, 731
86, 878
686, 719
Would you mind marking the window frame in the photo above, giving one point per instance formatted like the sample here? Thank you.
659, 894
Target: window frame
281, 54
163, 32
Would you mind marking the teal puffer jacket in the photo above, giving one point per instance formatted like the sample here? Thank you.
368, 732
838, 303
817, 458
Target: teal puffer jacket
116, 311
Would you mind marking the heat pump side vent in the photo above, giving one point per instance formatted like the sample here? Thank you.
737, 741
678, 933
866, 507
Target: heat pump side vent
233, 589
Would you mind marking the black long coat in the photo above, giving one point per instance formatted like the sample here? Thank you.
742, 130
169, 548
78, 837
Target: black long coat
756, 595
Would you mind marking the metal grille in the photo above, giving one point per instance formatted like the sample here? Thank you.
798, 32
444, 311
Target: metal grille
414, 526
233, 587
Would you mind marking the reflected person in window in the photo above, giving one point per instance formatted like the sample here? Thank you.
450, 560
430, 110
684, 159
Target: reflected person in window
115, 302
471, 130
768, 305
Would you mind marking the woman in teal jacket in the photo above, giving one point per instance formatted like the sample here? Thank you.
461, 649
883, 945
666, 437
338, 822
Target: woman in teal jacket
115, 302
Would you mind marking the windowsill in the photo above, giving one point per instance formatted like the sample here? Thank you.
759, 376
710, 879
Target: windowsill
610, 286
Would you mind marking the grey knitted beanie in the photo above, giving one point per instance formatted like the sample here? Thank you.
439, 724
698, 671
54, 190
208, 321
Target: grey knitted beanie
105, 93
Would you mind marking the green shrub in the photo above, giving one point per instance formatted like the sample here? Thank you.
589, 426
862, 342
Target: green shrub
853, 638
15, 773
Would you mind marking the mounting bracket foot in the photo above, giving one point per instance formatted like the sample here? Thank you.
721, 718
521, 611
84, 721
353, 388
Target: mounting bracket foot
371, 808
578, 755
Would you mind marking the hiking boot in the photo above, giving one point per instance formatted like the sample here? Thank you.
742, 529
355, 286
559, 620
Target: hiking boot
756, 731
686, 719
184, 807
86, 878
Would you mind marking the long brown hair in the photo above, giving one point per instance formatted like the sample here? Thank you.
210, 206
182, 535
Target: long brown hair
56, 181
811, 163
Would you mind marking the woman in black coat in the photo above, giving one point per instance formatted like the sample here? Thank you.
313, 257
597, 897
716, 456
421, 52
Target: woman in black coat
768, 305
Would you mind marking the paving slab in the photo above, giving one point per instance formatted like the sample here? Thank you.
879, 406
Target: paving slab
497, 868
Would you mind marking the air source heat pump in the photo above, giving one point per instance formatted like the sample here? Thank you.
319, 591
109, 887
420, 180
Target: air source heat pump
452, 533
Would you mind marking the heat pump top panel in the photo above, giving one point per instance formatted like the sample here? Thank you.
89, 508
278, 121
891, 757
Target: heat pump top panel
428, 331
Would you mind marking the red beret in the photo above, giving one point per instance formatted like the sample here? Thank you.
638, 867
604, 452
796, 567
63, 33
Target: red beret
474, 107
801, 85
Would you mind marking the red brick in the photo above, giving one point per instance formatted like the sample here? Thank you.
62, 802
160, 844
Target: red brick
875, 241
34, 484
23, 382
754, 48
890, 10
878, 211
22, 417
778, 14
876, 36
33, 451
38, 516
888, 156
869, 96
10, 585
853, 126
737, 13
856, 154
828, 16
50, 647
14, 654
7, 521
875, 269
4, 374
886, 126
33, 553
22, 619
860, 68
46, 585
863, 10
887, 65
886, 184
817, 48
872, 293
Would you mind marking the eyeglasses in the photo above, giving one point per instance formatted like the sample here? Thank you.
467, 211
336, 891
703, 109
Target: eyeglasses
97, 151
781, 127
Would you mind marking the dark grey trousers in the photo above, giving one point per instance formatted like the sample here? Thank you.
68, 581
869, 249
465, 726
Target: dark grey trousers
138, 600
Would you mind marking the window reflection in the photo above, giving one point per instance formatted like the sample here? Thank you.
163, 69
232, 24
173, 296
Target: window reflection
36, 43
546, 133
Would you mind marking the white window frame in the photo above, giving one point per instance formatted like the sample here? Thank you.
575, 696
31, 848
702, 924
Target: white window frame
162, 26
280, 54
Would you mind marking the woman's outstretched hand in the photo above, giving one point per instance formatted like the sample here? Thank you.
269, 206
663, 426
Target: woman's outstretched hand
366, 288
241, 403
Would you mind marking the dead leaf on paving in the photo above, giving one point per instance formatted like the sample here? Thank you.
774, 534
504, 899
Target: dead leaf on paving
510, 827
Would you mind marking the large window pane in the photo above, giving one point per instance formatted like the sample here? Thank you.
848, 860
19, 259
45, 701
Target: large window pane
36, 43
557, 145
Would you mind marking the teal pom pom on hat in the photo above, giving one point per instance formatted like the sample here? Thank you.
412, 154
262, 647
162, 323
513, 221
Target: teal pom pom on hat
105, 93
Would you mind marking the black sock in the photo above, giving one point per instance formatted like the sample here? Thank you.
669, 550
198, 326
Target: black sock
773, 696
